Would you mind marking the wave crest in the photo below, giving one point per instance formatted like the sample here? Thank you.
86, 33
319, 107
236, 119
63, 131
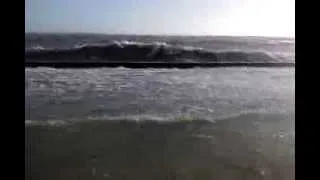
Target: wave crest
130, 51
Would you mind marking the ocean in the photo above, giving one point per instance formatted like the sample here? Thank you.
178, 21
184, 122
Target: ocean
159, 123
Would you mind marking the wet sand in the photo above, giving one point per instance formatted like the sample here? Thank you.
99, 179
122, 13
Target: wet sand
251, 146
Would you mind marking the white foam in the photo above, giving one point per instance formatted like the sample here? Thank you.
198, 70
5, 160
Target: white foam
37, 47
45, 123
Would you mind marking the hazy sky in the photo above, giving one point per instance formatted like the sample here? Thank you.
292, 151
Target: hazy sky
185, 17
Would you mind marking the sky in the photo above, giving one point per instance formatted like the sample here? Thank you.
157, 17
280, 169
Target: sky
163, 17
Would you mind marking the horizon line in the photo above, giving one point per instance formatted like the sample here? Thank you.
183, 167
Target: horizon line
155, 34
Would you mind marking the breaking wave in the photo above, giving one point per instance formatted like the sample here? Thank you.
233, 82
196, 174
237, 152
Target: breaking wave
129, 51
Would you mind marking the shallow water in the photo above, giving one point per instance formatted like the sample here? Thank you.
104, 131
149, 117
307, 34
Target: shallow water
252, 146
224, 123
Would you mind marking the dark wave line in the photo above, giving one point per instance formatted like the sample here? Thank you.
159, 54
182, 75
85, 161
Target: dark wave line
152, 64
150, 52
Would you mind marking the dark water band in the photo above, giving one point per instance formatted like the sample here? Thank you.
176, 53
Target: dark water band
151, 64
